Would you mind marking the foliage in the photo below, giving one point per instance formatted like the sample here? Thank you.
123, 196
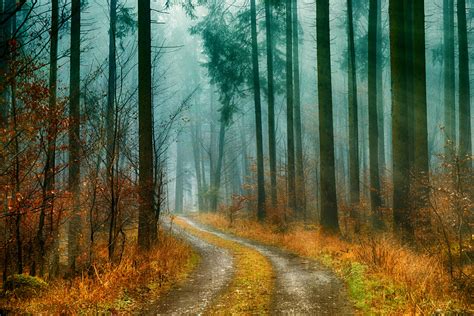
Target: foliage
23, 285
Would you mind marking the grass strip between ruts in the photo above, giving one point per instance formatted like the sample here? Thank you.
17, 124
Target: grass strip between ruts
250, 290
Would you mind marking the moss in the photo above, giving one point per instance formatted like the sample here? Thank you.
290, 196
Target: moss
23, 285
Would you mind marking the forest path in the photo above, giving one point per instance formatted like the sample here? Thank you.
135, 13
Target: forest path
302, 286
211, 277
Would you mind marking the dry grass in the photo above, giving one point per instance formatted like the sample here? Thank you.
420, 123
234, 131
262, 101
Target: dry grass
250, 290
382, 276
122, 288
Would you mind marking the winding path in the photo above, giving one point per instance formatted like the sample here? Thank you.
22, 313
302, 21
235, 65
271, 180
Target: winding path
302, 287
206, 282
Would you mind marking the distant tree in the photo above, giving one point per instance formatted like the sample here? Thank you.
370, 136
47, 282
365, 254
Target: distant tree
329, 216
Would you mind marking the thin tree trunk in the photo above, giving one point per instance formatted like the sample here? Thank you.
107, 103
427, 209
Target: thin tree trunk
146, 217
178, 206
380, 94
261, 212
47, 205
271, 103
449, 72
375, 200
353, 114
217, 178
196, 136
290, 109
465, 140
329, 216
300, 177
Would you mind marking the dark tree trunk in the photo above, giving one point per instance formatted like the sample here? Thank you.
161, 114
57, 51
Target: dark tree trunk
409, 18
375, 201
400, 141
50, 165
353, 113
300, 180
261, 212
449, 71
74, 134
380, 94
289, 109
329, 216
465, 140
271, 103
146, 217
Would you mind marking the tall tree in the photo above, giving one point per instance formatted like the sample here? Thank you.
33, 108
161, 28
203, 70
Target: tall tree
258, 115
375, 201
110, 125
400, 141
271, 102
421, 162
449, 71
329, 216
179, 183
353, 110
50, 165
290, 109
380, 90
300, 181
146, 216
74, 133
465, 140
3, 66
409, 18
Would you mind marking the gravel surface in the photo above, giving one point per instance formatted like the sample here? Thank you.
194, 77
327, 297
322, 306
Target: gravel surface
303, 287
203, 285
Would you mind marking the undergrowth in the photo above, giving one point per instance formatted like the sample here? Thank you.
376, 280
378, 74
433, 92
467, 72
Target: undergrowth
382, 277
121, 288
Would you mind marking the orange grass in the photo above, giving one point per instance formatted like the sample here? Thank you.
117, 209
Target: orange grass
395, 279
123, 288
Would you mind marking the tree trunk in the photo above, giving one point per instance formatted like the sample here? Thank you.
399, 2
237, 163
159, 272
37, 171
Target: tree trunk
449, 72
47, 205
179, 188
216, 184
465, 140
300, 177
196, 138
74, 134
375, 200
271, 103
329, 216
401, 211
261, 212
146, 217
409, 18
380, 93
290, 109
353, 114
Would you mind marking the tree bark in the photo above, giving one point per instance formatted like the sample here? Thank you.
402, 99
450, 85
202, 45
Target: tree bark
401, 212
329, 215
146, 217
